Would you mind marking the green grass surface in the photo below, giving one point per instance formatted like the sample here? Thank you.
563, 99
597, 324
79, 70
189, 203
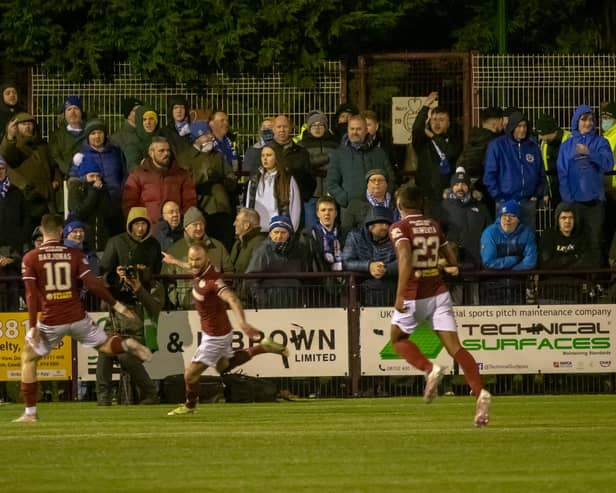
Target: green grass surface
533, 444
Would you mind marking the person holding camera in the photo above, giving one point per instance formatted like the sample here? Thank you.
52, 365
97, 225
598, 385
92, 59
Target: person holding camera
145, 297
137, 248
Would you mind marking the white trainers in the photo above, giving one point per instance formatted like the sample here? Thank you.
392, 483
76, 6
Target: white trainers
432, 382
139, 350
273, 347
482, 408
26, 418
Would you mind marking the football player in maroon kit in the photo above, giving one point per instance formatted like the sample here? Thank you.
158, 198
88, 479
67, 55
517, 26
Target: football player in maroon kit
422, 295
211, 296
53, 274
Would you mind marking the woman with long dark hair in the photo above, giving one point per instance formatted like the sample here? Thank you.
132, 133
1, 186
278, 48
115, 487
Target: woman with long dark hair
273, 192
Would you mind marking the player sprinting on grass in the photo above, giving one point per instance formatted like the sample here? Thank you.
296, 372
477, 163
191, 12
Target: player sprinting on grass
211, 296
422, 295
53, 274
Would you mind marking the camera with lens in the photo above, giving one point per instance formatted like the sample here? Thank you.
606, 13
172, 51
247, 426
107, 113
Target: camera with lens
130, 271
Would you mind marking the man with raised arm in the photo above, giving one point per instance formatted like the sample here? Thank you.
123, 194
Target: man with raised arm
211, 296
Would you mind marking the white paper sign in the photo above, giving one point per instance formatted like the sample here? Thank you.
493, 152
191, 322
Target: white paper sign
403, 114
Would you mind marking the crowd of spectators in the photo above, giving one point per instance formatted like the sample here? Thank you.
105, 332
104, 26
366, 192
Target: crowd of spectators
321, 201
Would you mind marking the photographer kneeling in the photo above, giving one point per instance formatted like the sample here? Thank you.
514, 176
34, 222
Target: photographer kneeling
136, 288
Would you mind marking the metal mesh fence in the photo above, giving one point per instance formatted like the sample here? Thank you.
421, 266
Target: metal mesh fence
555, 84
382, 77
246, 98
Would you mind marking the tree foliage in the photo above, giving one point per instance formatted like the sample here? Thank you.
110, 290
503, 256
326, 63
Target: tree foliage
189, 40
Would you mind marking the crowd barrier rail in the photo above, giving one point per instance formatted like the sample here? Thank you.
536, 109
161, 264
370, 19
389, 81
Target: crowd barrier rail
531, 332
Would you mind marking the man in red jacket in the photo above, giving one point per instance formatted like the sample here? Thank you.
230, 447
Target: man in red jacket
157, 180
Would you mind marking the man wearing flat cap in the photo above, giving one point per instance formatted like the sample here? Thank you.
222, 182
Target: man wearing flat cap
376, 194
30, 168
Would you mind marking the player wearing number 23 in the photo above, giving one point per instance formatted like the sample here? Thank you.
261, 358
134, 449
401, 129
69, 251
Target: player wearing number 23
422, 296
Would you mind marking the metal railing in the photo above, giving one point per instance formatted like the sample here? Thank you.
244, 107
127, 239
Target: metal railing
314, 290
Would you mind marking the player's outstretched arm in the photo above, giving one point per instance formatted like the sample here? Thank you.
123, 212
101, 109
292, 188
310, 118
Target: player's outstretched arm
229, 297
405, 269
171, 260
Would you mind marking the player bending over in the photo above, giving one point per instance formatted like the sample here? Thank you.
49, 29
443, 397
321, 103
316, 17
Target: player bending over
422, 295
211, 296
53, 274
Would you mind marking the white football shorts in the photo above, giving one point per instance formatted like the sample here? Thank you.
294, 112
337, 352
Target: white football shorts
84, 331
438, 310
212, 348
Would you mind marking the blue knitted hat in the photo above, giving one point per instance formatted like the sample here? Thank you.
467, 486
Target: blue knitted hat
281, 222
510, 207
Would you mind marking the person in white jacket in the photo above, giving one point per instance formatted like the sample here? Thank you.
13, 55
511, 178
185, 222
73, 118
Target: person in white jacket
272, 192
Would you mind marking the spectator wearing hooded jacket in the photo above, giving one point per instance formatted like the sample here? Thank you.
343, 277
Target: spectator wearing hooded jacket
368, 249
507, 244
136, 244
9, 105
129, 263
582, 161
147, 124
177, 129
514, 170
158, 179
566, 246
353, 159
126, 137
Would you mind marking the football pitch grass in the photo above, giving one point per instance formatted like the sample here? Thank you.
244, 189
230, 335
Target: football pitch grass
533, 444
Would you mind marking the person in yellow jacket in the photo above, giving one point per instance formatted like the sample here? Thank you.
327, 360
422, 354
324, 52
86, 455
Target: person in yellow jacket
551, 136
608, 130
